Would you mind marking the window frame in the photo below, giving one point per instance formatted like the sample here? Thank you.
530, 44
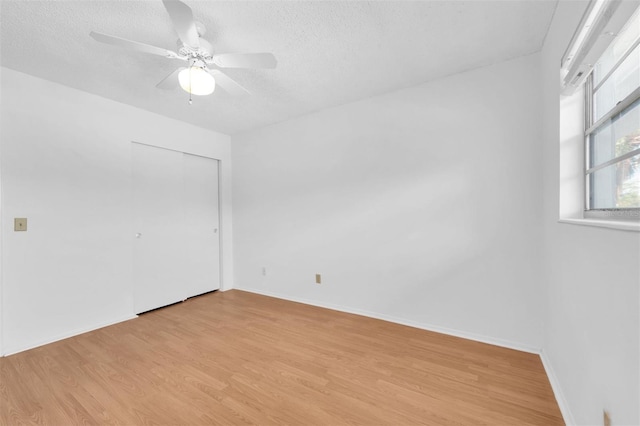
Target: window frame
590, 127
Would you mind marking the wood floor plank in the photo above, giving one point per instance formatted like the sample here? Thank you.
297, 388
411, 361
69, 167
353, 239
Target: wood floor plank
241, 358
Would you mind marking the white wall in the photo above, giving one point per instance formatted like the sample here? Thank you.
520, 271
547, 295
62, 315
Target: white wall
593, 276
66, 166
419, 206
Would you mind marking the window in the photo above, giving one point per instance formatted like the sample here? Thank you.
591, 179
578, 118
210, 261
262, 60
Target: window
612, 127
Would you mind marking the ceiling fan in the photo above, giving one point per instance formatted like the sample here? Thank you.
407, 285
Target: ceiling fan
202, 73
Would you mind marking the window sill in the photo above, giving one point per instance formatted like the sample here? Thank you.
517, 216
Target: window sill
623, 225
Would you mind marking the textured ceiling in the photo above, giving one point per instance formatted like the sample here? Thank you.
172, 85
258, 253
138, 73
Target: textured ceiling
329, 52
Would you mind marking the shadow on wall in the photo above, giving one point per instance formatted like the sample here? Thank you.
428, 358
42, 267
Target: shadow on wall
436, 245
409, 232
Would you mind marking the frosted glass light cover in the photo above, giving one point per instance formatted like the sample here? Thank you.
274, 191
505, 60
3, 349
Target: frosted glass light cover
196, 81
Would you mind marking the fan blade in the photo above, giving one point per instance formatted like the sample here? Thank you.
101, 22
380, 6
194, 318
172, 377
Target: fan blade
227, 84
134, 45
245, 60
170, 81
182, 18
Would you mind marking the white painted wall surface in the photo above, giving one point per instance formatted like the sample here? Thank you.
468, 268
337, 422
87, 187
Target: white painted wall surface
592, 274
419, 206
66, 166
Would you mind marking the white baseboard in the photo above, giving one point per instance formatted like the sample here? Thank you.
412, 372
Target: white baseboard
62, 336
429, 327
557, 390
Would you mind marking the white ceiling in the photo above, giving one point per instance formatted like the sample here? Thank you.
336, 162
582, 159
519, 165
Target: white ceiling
329, 52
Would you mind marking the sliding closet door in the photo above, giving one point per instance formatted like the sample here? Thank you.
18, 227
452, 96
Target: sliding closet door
158, 253
176, 226
200, 201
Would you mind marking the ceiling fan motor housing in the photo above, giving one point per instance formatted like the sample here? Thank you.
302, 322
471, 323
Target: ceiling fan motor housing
202, 53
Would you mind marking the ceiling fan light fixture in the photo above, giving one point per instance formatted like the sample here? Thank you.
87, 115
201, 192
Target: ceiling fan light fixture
196, 81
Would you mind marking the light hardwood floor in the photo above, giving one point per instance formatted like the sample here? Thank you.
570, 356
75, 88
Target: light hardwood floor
240, 358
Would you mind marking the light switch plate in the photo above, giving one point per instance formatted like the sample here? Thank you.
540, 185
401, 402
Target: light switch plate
20, 224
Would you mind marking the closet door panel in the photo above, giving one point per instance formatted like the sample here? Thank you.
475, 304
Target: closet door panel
201, 222
159, 231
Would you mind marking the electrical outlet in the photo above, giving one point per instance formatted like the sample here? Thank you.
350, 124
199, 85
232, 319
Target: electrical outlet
318, 279
264, 271
20, 224
606, 418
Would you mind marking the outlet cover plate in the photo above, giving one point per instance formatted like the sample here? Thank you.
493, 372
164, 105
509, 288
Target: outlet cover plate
20, 224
